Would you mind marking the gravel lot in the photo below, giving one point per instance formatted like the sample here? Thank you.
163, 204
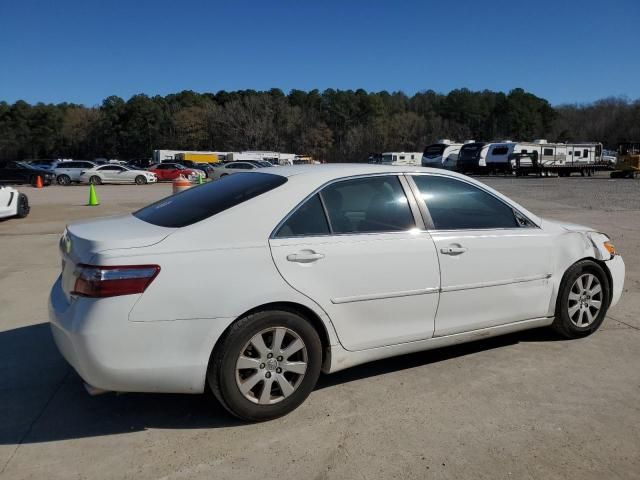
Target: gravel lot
527, 405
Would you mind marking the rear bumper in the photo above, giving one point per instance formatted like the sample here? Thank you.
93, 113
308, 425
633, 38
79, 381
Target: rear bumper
617, 268
110, 352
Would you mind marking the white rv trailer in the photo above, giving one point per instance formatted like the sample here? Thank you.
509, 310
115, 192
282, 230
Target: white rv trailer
561, 158
276, 158
402, 158
442, 154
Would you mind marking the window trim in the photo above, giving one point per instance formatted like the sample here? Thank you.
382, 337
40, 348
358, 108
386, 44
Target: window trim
427, 215
413, 208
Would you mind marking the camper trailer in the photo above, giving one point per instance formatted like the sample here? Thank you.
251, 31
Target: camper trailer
275, 158
564, 159
442, 154
472, 158
402, 158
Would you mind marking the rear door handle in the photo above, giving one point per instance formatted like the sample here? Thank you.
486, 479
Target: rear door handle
305, 256
453, 250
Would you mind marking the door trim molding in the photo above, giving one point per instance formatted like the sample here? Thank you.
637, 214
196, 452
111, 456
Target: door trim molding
470, 286
380, 296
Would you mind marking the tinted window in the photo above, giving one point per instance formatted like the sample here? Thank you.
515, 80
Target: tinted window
548, 151
433, 151
206, 200
308, 219
585, 153
111, 167
456, 205
373, 204
500, 150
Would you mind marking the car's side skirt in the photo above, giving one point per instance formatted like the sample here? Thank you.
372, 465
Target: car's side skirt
341, 358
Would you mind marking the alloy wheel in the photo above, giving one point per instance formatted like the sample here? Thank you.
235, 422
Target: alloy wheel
585, 300
271, 365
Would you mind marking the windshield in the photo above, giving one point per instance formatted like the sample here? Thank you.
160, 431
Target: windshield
471, 151
433, 151
204, 201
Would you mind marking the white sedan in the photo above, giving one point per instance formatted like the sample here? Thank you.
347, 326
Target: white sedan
254, 284
113, 173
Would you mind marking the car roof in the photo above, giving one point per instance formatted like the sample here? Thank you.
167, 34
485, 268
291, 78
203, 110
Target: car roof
339, 170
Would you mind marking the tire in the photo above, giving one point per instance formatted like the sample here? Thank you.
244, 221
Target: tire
140, 180
95, 180
577, 313
23, 206
33, 180
63, 180
225, 379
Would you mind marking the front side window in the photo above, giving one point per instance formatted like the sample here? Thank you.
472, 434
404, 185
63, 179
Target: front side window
457, 205
365, 205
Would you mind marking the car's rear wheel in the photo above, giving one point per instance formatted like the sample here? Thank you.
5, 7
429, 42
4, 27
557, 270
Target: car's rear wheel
583, 300
266, 365
23, 207
95, 180
64, 180
140, 180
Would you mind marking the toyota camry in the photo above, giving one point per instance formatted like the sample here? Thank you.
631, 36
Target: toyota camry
256, 283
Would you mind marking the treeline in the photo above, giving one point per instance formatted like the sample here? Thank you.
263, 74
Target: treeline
333, 125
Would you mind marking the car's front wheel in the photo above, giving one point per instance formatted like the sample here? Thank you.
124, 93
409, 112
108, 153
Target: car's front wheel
140, 180
23, 206
583, 300
266, 365
95, 180
64, 180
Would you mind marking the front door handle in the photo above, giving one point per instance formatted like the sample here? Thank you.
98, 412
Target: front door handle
305, 256
453, 250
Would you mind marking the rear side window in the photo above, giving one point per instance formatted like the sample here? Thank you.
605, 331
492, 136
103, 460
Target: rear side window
206, 200
364, 205
308, 220
456, 205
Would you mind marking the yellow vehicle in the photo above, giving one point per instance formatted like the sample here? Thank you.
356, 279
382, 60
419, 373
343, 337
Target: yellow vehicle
198, 157
628, 164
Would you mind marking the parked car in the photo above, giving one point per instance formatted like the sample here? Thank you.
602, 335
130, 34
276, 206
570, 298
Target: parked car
207, 168
171, 171
13, 203
42, 164
112, 173
349, 264
21, 172
69, 172
234, 167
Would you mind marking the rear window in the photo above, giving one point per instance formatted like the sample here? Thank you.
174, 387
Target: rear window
204, 201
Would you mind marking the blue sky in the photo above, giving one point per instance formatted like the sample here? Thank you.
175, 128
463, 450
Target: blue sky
83, 51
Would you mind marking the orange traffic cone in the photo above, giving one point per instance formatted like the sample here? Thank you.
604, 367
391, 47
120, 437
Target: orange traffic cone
39, 182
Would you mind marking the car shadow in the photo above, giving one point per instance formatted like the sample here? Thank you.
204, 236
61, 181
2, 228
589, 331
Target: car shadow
42, 399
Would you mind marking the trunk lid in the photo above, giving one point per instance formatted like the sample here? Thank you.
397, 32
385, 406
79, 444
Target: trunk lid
82, 240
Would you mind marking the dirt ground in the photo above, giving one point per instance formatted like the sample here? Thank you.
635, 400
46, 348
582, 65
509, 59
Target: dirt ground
525, 406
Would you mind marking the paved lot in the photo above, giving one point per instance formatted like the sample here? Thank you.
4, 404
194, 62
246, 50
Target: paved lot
523, 406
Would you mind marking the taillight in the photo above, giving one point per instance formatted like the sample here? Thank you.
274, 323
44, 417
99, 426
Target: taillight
95, 281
